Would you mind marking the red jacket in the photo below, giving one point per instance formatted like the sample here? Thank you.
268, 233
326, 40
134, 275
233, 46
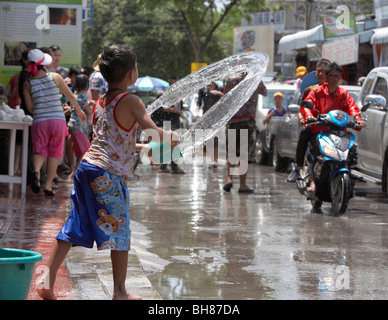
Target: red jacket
324, 102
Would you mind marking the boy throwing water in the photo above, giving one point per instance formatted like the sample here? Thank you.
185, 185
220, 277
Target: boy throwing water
100, 198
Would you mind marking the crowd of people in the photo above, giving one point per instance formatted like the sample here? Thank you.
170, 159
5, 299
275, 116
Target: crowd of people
60, 102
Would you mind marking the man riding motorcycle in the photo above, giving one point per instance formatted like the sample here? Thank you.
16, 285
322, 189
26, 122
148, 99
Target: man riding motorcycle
305, 132
325, 98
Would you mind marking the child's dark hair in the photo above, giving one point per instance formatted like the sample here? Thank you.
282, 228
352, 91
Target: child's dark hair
333, 67
55, 48
74, 70
47, 50
115, 62
323, 63
81, 82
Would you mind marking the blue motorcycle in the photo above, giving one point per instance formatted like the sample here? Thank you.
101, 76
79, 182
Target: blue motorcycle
331, 167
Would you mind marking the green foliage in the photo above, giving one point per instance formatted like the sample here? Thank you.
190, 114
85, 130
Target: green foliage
167, 35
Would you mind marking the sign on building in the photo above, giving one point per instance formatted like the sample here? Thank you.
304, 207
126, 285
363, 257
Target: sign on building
34, 24
343, 50
339, 25
256, 38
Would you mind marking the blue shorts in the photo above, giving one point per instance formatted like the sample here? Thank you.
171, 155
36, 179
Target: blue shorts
99, 210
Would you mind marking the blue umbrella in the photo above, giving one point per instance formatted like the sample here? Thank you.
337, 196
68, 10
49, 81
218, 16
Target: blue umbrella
308, 80
149, 83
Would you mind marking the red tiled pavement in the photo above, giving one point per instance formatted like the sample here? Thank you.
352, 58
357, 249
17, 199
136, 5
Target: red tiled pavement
31, 223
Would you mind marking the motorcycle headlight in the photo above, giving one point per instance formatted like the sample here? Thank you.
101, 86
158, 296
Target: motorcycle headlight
329, 150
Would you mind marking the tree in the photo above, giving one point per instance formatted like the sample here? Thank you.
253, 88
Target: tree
158, 36
203, 17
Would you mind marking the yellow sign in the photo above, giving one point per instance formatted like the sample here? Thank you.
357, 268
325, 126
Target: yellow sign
197, 65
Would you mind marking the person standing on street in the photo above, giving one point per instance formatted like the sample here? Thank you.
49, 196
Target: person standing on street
208, 96
278, 111
64, 72
42, 98
243, 119
172, 114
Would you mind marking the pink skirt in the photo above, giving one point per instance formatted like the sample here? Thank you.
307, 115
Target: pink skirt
81, 143
48, 138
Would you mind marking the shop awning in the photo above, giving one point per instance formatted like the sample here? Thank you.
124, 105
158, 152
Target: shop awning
380, 36
301, 39
365, 36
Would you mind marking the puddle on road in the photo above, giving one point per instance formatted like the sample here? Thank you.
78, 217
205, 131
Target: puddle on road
208, 244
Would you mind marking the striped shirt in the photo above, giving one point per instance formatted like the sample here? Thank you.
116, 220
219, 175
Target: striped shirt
46, 98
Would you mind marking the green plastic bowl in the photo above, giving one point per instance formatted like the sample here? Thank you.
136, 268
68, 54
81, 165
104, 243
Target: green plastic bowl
16, 271
164, 152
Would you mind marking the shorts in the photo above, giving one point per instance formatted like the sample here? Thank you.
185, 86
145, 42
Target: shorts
234, 139
99, 210
81, 143
48, 138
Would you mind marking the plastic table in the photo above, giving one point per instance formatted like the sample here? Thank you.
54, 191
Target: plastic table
10, 178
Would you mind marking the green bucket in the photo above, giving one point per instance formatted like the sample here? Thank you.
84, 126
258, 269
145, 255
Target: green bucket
16, 270
164, 152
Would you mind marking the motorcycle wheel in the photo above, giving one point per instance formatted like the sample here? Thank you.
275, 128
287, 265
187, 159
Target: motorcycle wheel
340, 193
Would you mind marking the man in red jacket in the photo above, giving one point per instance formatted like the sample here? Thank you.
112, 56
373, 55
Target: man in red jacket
325, 98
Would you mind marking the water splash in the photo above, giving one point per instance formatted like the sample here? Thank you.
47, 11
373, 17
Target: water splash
253, 63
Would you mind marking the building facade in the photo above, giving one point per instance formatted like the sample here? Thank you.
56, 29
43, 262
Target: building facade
299, 34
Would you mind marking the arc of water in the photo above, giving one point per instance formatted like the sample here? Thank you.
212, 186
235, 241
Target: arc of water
253, 63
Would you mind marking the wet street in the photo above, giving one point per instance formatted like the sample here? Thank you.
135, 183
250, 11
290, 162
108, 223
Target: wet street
197, 241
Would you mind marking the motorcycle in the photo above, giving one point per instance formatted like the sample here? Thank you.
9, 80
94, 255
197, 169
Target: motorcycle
331, 168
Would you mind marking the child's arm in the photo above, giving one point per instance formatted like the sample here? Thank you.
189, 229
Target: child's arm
144, 148
86, 105
69, 95
132, 109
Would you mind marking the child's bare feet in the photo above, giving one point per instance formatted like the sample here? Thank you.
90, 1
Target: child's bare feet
46, 294
126, 296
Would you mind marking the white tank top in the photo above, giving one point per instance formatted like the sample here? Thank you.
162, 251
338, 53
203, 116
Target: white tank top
113, 147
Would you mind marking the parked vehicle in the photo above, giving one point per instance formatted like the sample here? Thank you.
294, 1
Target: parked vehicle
373, 140
354, 91
331, 168
263, 106
283, 133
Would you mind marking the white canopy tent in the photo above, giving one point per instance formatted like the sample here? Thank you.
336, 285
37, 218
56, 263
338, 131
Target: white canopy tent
380, 35
301, 40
